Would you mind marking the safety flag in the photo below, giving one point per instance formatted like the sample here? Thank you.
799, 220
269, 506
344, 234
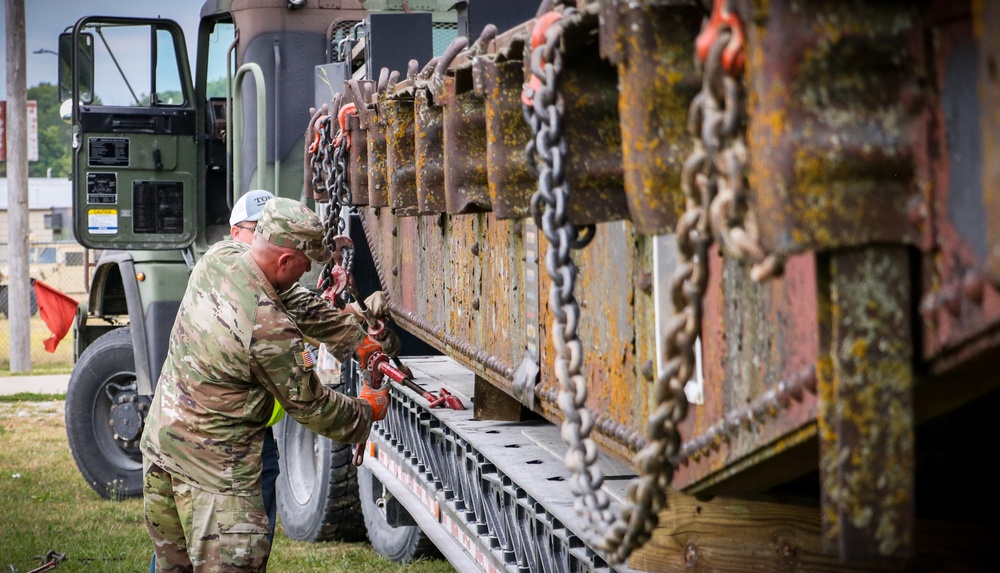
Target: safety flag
58, 312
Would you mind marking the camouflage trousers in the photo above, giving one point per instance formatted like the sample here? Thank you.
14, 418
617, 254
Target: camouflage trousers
198, 531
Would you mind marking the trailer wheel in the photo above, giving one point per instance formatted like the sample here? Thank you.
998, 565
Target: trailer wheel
317, 487
391, 530
105, 415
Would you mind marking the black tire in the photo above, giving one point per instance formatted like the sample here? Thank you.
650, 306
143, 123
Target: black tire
317, 488
401, 540
105, 376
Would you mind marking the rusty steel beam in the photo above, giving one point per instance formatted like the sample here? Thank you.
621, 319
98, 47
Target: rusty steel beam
378, 179
658, 81
834, 122
401, 170
357, 166
428, 153
511, 183
866, 416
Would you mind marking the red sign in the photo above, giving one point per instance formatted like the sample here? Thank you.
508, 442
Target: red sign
32, 131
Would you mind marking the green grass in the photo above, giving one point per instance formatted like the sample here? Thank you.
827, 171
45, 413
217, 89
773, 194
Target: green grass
42, 362
31, 397
47, 506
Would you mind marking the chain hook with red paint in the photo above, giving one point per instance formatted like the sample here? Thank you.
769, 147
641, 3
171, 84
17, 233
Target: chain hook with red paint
722, 18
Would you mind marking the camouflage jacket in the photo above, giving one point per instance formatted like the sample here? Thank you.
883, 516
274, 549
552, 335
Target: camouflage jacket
236, 345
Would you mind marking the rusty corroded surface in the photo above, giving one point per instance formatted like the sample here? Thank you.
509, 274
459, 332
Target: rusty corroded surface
616, 387
589, 88
465, 182
658, 82
357, 166
834, 109
511, 184
756, 339
428, 148
401, 170
985, 16
960, 302
866, 415
378, 182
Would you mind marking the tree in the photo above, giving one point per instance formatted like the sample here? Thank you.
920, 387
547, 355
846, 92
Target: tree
54, 135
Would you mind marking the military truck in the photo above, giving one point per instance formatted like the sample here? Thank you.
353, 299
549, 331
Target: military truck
717, 282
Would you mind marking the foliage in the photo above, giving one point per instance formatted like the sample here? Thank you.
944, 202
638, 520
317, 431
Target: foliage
54, 150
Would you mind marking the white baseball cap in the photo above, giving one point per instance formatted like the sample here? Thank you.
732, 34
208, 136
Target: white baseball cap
249, 206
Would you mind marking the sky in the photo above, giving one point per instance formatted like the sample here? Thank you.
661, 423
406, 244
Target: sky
46, 19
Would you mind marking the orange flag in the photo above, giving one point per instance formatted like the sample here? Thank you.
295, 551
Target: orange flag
58, 312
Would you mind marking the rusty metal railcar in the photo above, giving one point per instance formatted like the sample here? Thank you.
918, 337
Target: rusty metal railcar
843, 157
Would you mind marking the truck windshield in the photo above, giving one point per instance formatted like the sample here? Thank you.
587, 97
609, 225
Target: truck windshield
136, 65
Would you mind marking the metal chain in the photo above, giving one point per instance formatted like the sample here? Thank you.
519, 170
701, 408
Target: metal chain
340, 197
546, 153
722, 114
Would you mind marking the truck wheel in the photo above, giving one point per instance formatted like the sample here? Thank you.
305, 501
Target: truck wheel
104, 417
317, 487
391, 530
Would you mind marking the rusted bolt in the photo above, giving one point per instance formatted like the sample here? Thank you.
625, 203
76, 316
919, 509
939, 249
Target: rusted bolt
691, 555
475, 303
132, 398
647, 370
111, 422
395, 271
646, 283
973, 286
475, 249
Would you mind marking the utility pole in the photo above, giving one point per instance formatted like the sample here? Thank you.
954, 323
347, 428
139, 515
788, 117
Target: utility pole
19, 298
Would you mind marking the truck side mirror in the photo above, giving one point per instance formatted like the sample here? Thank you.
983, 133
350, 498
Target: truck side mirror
85, 67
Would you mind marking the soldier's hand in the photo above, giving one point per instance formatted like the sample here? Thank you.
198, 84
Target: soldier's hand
379, 399
391, 344
377, 305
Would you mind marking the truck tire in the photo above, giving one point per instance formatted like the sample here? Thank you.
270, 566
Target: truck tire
104, 377
391, 531
317, 488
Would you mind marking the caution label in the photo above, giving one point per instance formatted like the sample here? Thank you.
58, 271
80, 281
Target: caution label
102, 221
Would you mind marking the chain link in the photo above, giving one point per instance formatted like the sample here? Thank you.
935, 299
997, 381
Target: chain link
338, 185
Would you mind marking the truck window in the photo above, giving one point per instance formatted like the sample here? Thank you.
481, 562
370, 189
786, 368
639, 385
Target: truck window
218, 49
136, 66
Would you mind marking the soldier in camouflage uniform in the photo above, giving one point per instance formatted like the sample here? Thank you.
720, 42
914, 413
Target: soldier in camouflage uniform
236, 346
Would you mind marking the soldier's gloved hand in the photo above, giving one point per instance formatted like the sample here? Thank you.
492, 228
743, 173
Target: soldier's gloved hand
378, 306
390, 343
379, 399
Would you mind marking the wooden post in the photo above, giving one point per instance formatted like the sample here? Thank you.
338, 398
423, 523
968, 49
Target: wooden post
19, 298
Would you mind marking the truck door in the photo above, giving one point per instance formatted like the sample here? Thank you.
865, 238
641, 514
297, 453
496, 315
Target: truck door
135, 157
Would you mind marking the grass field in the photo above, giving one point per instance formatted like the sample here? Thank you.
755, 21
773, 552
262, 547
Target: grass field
47, 506
42, 362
